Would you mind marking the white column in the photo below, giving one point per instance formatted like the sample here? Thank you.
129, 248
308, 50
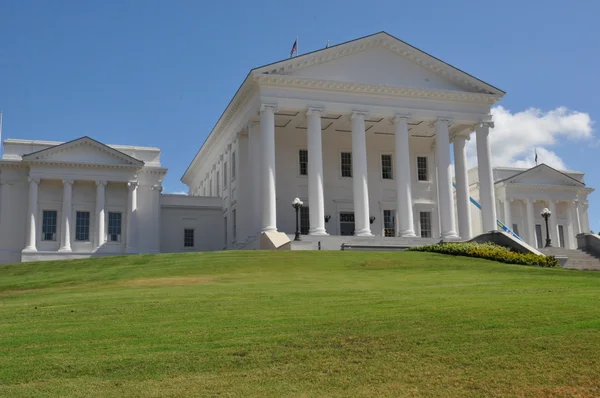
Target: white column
507, 213
254, 158
131, 244
570, 239
462, 188
486, 180
529, 210
32, 214
269, 195
316, 198
578, 228
359, 175
67, 209
100, 213
156, 191
404, 212
446, 199
552, 224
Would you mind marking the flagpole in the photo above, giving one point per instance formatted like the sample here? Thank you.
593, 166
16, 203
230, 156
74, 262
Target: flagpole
297, 46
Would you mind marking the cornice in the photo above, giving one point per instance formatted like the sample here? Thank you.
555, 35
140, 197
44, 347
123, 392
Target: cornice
378, 89
61, 163
544, 187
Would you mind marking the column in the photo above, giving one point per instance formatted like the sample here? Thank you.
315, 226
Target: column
269, 195
462, 187
405, 226
570, 239
255, 173
100, 213
529, 210
67, 209
578, 228
156, 191
32, 214
442, 153
316, 198
507, 213
131, 244
362, 226
486, 180
552, 224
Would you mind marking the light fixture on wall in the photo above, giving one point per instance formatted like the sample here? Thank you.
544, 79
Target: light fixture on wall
371, 219
327, 218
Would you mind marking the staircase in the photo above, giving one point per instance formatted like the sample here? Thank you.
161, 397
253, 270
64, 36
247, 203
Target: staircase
577, 259
378, 243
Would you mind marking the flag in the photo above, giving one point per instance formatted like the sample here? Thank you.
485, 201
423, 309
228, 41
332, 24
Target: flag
536, 157
294, 48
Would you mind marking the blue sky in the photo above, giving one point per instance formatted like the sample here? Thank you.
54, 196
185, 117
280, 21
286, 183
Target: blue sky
160, 73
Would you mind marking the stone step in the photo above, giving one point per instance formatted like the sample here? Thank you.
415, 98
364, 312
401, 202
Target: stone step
576, 259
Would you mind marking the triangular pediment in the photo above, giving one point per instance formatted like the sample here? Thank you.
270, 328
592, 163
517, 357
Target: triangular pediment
543, 175
84, 151
380, 60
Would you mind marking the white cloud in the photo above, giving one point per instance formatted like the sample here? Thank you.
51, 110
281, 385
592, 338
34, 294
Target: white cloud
516, 135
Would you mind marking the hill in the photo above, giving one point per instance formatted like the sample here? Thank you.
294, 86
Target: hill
297, 324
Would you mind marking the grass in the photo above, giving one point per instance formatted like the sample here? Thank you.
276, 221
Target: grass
307, 324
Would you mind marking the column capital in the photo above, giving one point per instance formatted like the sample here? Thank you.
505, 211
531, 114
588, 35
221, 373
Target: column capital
268, 107
443, 120
157, 187
315, 110
34, 180
487, 123
100, 182
68, 182
132, 184
461, 138
359, 115
401, 117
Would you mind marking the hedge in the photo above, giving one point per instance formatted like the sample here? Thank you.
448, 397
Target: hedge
489, 251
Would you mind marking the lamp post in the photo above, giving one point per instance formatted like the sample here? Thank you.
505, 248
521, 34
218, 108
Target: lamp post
546, 215
297, 204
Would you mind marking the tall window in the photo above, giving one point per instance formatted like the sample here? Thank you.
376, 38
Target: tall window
425, 221
225, 229
114, 227
304, 220
224, 174
538, 235
346, 162
82, 226
561, 236
188, 237
515, 229
210, 188
386, 167
389, 223
218, 185
232, 165
422, 171
49, 225
234, 219
303, 159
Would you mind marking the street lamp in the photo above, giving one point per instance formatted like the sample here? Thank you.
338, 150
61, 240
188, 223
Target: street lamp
546, 215
297, 204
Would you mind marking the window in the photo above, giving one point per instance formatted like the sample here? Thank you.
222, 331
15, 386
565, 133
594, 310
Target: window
346, 164
515, 229
561, 236
303, 159
233, 165
210, 188
218, 185
425, 221
422, 172
386, 167
225, 229
304, 220
538, 235
224, 174
114, 227
188, 237
82, 226
389, 223
49, 225
234, 219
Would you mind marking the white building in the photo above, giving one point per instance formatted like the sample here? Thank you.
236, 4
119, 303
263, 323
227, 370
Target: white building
522, 194
84, 198
362, 133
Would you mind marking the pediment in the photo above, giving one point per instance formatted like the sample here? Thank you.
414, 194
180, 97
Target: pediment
380, 60
84, 151
544, 175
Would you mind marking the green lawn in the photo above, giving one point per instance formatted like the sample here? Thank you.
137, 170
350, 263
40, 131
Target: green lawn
305, 324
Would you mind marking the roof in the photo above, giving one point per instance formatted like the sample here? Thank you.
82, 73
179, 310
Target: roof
432, 62
539, 166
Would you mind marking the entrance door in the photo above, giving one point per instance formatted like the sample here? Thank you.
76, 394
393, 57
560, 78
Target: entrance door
347, 223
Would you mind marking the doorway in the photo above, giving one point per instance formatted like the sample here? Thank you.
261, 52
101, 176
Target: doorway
347, 223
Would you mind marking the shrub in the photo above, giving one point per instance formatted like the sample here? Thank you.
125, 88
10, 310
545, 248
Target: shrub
489, 251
